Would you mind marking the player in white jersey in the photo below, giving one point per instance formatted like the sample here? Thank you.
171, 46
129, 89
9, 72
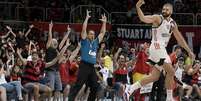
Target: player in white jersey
160, 37
163, 27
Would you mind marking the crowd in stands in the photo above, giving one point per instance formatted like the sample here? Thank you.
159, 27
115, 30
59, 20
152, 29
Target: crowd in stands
27, 72
59, 10
152, 5
26, 66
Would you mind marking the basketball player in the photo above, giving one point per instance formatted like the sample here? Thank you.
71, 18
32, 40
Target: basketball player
162, 28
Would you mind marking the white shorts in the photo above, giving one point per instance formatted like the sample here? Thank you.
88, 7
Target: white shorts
156, 54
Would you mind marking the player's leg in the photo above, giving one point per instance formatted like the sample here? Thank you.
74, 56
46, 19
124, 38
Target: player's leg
169, 80
154, 76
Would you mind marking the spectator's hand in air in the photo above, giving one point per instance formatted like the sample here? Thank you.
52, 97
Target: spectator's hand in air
9, 43
32, 43
120, 49
140, 3
9, 28
88, 16
31, 26
51, 25
103, 18
68, 28
19, 51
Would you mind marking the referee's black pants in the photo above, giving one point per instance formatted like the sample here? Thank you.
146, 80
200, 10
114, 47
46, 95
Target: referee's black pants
86, 74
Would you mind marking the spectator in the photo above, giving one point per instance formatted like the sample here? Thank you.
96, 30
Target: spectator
108, 63
194, 73
89, 46
52, 73
120, 72
66, 71
16, 74
179, 69
33, 71
175, 54
14, 86
141, 69
21, 38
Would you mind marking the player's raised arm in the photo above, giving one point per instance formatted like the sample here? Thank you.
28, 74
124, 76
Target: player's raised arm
103, 28
65, 38
149, 19
84, 26
30, 27
49, 35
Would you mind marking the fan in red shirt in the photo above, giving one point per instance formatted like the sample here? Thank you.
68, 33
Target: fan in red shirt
63, 70
120, 74
32, 73
141, 68
176, 52
73, 72
120, 71
67, 66
142, 57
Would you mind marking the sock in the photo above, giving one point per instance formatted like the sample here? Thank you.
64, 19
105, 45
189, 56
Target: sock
187, 96
169, 95
134, 86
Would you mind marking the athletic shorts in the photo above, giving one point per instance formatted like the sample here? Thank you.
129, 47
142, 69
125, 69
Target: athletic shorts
156, 54
54, 80
30, 86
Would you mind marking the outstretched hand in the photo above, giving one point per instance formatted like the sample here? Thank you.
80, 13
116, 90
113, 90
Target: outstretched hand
68, 28
103, 18
31, 26
140, 3
51, 25
19, 51
9, 28
120, 49
88, 16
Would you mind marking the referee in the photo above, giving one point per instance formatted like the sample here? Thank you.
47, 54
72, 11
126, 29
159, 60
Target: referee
86, 73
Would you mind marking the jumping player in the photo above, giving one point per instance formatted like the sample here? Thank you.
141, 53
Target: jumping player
162, 28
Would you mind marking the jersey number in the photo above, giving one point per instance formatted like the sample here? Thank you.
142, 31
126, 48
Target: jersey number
157, 45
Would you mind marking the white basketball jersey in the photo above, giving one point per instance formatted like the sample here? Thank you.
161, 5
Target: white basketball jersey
161, 34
